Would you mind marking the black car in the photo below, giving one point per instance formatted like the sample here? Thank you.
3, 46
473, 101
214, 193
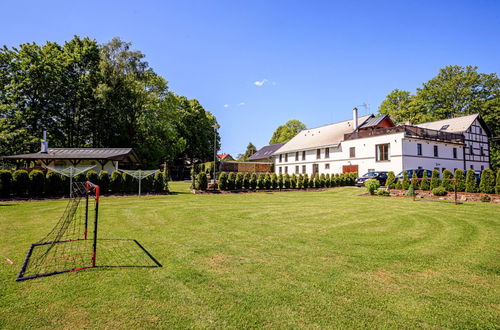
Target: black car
419, 171
380, 176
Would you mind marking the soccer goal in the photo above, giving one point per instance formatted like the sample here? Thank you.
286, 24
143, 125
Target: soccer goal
452, 181
71, 245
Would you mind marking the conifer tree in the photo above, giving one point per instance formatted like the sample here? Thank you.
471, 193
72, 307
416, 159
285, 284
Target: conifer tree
470, 181
435, 182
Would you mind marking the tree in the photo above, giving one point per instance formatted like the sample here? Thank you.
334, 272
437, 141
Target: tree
251, 149
435, 182
389, 182
398, 105
470, 181
460, 177
487, 184
425, 184
285, 133
448, 185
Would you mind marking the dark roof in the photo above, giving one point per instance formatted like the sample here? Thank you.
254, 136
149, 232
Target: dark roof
266, 152
80, 153
372, 121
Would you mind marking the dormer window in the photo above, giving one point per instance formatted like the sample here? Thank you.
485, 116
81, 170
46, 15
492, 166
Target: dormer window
444, 127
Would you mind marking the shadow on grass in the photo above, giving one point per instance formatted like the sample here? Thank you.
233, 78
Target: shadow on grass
123, 253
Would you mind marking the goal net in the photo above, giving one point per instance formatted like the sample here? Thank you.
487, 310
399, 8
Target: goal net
71, 244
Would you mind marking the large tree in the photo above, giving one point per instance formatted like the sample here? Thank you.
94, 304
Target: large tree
455, 91
251, 149
285, 133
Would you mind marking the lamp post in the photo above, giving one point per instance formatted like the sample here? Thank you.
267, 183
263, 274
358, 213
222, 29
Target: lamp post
215, 126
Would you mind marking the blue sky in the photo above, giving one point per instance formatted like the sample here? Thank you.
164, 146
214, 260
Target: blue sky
257, 64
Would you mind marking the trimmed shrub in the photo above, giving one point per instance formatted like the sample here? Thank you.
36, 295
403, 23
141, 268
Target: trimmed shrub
261, 182
497, 186
223, 181
81, 177
485, 199
21, 182
399, 186
372, 185
406, 181
37, 183
305, 182
5, 183
286, 181
435, 182
381, 192
128, 183
280, 181
246, 180
93, 177
389, 182
439, 191
459, 176
53, 184
267, 181
316, 181
274, 181
293, 181
159, 182
103, 182
470, 181
448, 185
411, 191
322, 180
116, 182
238, 183
334, 180
328, 181
415, 183
300, 182
487, 184
231, 181
202, 181
425, 183
253, 181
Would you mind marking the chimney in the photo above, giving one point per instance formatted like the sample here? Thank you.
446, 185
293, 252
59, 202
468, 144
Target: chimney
45, 145
355, 117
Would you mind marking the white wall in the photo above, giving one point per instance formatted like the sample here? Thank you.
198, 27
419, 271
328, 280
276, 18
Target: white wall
445, 159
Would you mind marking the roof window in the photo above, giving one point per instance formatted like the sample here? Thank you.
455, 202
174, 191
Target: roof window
444, 127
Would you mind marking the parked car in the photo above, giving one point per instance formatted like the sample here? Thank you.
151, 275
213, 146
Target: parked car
380, 176
477, 174
419, 171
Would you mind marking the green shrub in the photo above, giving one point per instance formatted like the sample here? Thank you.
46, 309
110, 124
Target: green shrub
246, 180
223, 181
253, 181
280, 181
487, 184
459, 176
21, 182
5, 183
231, 181
435, 182
158, 182
300, 181
406, 182
202, 181
116, 182
322, 180
53, 184
448, 185
267, 181
238, 183
414, 181
37, 183
305, 182
389, 182
286, 181
470, 181
103, 182
147, 184
398, 185
81, 177
293, 181
497, 186
316, 181
128, 183
439, 191
485, 199
381, 192
328, 181
425, 184
274, 181
93, 177
372, 185
411, 191
261, 182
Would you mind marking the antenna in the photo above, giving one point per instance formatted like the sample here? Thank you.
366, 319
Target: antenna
366, 106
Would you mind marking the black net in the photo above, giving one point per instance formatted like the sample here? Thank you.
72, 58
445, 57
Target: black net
70, 244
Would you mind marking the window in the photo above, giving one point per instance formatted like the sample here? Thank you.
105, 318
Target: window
471, 150
482, 167
281, 158
327, 153
318, 154
454, 152
419, 149
480, 130
297, 156
297, 169
419, 168
472, 167
327, 166
286, 158
444, 127
382, 152
303, 155
286, 169
482, 151
436, 151
303, 169
280, 169
352, 152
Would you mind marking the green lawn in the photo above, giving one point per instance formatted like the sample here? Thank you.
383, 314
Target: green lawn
280, 260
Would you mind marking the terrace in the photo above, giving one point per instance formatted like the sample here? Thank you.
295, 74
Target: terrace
411, 132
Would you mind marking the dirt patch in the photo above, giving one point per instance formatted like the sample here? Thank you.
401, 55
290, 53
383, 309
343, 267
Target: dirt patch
427, 194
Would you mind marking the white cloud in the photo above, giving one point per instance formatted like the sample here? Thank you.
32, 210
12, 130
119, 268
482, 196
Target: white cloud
241, 104
260, 82
226, 105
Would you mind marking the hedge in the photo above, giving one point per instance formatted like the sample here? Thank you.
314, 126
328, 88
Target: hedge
497, 186
448, 185
470, 181
239, 181
223, 181
246, 180
103, 182
231, 178
6, 183
487, 184
202, 181
21, 182
459, 176
425, 183
435, 182
389, 182
37, 183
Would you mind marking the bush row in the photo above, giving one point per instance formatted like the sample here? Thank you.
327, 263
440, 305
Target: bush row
36, 183
466, 182
238, 181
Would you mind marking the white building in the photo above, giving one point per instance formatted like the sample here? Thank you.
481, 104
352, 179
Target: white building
372, 143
